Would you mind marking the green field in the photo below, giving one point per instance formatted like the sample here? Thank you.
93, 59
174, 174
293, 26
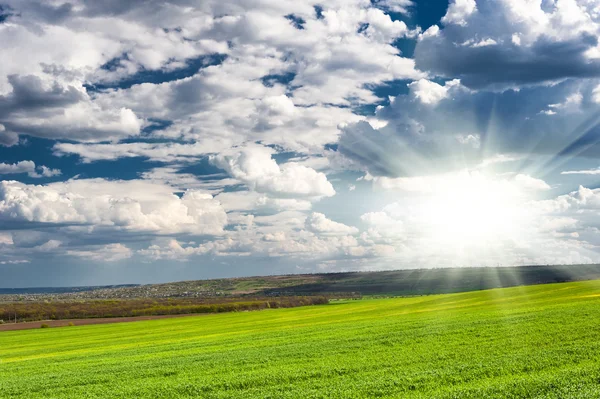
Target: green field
523, 342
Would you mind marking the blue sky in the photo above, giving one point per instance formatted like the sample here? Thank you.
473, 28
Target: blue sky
167, 140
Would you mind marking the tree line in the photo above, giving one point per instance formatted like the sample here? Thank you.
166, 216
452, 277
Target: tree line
47, 310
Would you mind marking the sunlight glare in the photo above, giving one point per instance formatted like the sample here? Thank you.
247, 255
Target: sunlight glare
473, 210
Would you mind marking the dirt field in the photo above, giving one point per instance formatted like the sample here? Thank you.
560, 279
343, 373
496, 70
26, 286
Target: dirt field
82, 322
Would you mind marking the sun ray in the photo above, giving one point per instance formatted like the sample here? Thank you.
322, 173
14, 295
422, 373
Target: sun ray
583, 137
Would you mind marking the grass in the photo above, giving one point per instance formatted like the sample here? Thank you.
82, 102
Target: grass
523, 342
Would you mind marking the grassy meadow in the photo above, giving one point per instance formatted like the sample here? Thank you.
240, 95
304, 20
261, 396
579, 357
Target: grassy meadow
523, 342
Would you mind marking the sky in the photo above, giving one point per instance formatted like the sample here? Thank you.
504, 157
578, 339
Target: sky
151, 141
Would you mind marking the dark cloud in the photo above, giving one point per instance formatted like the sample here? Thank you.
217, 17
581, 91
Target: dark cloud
29, 94
497, 45
8, 139
508, 65
35, 109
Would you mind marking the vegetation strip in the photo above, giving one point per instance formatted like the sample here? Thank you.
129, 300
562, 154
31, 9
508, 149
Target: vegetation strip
27, 311
28, 325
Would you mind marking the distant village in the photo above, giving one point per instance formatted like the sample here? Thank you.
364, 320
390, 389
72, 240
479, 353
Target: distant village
176, 290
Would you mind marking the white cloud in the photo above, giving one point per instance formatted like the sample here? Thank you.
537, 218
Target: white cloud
119, 205
107, 253
14, 262
402, 6
381, 223
29, 168
596, 94
483, 43
252, 201
571, 104
450, 181
432, 31
287, 234
255, 167
330, 61
459, 11
19, 167
6, 239
427, 92
473, 140
431, 93
319, 223
301, 245
581, 172
530, 183
162, 152
500, 159
83, 122
48, 246
48, 172
582, 198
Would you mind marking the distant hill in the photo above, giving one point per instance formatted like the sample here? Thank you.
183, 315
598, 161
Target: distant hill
396, 282
388, 283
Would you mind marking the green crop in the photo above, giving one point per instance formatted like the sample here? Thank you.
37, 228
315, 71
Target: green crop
522, 342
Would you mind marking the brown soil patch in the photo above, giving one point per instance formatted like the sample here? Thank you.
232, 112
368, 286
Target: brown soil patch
82, 322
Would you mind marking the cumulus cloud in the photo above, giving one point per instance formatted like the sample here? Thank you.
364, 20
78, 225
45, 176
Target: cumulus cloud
51, 110
300, 245
319, 223
162, 152
107, 253
459, 11
381, 224
19, 167
530, 183
7, 139
255, 167
428, 92
527, 43
48, 172
251, 200
83, 122
119, 205
288, 234
581, 199
329, 62
29, 168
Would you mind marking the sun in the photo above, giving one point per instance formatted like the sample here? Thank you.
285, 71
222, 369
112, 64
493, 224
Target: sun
472, 210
